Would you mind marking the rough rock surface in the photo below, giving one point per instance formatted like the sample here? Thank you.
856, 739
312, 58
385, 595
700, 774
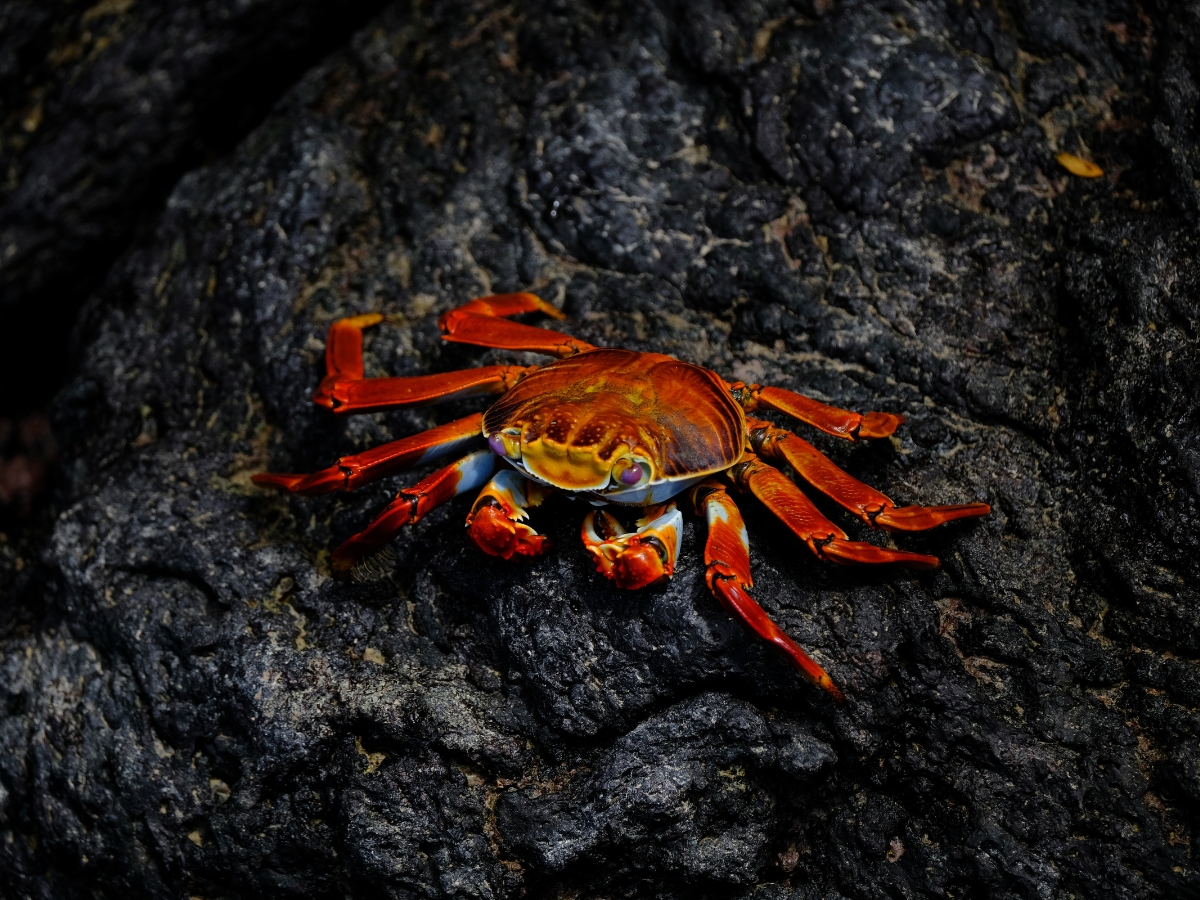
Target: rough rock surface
105, 104
857, 200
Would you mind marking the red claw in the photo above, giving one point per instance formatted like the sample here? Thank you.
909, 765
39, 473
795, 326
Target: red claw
637, 567
635, 559
495, 524
492, 530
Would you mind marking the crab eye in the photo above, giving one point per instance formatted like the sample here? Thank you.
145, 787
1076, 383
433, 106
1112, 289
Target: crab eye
631, 472
506, 443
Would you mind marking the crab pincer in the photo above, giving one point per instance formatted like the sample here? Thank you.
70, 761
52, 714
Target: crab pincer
635, 559
496, 523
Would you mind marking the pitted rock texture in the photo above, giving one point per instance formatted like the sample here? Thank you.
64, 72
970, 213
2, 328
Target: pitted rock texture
854, 200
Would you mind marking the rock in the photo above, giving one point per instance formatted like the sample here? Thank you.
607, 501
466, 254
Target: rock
853, 200
679, 797
107, 105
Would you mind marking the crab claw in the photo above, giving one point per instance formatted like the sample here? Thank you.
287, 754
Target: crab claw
496, 522
635, 559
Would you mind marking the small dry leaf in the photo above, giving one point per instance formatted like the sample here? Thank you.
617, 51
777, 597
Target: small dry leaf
1077, 166
372, 655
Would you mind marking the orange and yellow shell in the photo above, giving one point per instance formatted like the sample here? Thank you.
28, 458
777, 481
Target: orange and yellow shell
629, 427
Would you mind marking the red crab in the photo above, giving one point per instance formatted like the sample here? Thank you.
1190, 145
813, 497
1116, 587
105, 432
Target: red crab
612, 427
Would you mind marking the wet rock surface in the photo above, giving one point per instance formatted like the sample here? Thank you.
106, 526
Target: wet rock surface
858, 201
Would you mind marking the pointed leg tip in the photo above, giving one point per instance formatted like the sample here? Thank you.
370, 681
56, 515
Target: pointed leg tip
272, 479
537, 304
366, 320
879, 425
963, 511
826, 683
922, 518
921, 563
861, 553
324, 482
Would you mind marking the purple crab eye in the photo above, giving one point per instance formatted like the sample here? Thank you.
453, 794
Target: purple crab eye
632, 475
497, 444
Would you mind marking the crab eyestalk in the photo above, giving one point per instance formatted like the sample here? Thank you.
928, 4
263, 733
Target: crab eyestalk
631, 471
635, 559
506, 443
496, 522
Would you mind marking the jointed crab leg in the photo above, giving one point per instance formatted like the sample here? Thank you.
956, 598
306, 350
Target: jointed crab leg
799, 514
461, 477
370, 394
839, 422
868, 504
639, 558
351, 472
727, 561
496, 523
479, 322
345, 391
343, 347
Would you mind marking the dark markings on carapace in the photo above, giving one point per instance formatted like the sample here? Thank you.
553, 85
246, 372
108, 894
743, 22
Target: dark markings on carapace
601, 399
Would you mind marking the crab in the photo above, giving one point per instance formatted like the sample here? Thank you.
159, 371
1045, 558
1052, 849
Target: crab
616, 428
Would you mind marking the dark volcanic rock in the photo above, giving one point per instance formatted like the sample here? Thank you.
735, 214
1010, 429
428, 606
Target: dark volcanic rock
855, 200
105, 105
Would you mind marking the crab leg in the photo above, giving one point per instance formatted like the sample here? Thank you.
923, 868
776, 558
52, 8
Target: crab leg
343, 347
868, 504
371, 394
635, 559
496, 522
799, 514
411, 504
345, 391
351, 472
727, 573
839, 422
480, 322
